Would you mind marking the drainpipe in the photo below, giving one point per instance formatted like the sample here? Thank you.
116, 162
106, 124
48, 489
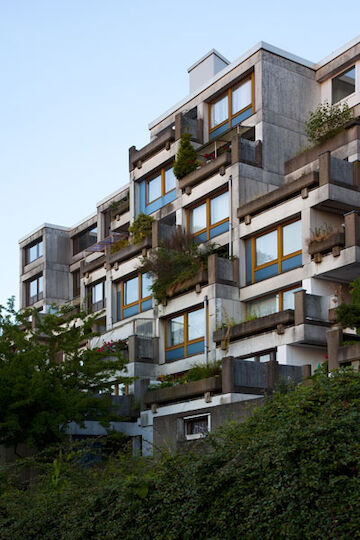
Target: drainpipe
206, 303
230, 217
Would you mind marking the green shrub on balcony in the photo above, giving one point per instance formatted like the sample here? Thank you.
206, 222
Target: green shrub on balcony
326, 121
178, 259
186, 159
141, 228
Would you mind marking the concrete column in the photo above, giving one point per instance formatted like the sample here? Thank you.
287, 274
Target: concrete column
334, 341
272, 374
352, 229
356, 173
324, 168
306, 371
227, 375
178, 126
212, 268
300, 307
235, 149
109, 302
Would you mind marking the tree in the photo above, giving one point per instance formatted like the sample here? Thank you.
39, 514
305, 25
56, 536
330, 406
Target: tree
348, 315
48, 377
186, 158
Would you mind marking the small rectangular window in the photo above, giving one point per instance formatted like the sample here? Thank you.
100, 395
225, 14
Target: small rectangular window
34, 290
266, 248
196, 427
272, 303
175, 331
84, 239
210, 218
34, 251
185, 334
131, 291
160, 185
133, 295
343, 85
97, 296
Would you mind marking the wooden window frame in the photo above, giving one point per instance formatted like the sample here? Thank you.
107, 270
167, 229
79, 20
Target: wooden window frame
39, 295
274, 294
36, 243
209, 226
140, 292
160, 173
186, 341
229, 92
280, 257
75, 289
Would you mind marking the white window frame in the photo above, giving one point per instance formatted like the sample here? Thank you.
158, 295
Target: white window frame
197, 417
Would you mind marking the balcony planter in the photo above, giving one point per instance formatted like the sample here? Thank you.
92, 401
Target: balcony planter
349, 353
130, 251
183, 392
204, 172
119, 208
327, 244
136, 157
256, 326
200, 277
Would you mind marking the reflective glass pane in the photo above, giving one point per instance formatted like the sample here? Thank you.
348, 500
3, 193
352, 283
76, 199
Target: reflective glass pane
241, 97
264, 306
264, 357
198, 218
33, 288
288, 298
219, 208
40, 284
196, 426
292, 238
97, 293
131, 291
266, 248
196, 324
146, 285
170, 180
219, 112
154, 189
40, 249
175, 331
343, 85
32, 253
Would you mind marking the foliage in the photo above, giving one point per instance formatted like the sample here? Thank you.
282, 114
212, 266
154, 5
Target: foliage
348, 315
113, 347
197, 372
326, 121
186, 159
178, 259
141, 227
120, 244
48, 378
291, 471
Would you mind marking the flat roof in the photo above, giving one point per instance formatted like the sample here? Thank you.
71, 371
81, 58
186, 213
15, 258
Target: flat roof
338, 52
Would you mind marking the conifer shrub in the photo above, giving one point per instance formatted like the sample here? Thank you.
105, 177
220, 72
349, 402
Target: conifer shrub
186, 158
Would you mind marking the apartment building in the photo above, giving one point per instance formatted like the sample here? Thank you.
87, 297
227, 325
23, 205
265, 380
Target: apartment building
264, 305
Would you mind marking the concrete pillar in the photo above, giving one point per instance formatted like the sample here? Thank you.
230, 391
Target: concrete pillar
300, 307
109, 299
212, 268
306, 369
228, 375
272, 374
324, 168
258, 153
356, 173
352, 229
178, 126
334, 341
235, 149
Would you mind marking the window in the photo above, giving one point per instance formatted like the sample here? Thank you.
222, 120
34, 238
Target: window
76, 283
33, 251
159, 185
261, 357
272, 303
84, 240
343, 85
97, 296
133, 296
184, 334
273, 252
34, 290
231, 108
196, 427
210, 218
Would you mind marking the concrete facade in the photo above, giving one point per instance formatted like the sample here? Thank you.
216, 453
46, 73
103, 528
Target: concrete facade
290, 230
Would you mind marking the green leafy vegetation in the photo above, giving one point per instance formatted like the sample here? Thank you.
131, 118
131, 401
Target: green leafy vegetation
186, 158
141, 227
291, 471
348, 315
178, 259
47, 377
197, 372
326, 121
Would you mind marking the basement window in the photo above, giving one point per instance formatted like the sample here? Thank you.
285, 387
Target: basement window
343, 85
196, 427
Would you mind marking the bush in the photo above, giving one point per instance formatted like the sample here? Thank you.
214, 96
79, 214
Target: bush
326, 121
348, 315
141, 227
178, 259
186, 159
291, 471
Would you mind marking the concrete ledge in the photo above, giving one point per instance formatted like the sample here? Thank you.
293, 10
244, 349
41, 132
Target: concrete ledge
257, 326
130, 251
121, 208
200, 277
137, 156
183, 392
91, 266
351, 132
279, 195
323, 246
204, 172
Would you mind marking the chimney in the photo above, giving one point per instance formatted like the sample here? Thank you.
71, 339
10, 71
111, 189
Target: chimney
204, 69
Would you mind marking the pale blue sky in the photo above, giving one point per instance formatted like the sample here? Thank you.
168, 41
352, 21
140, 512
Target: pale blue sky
81, 80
